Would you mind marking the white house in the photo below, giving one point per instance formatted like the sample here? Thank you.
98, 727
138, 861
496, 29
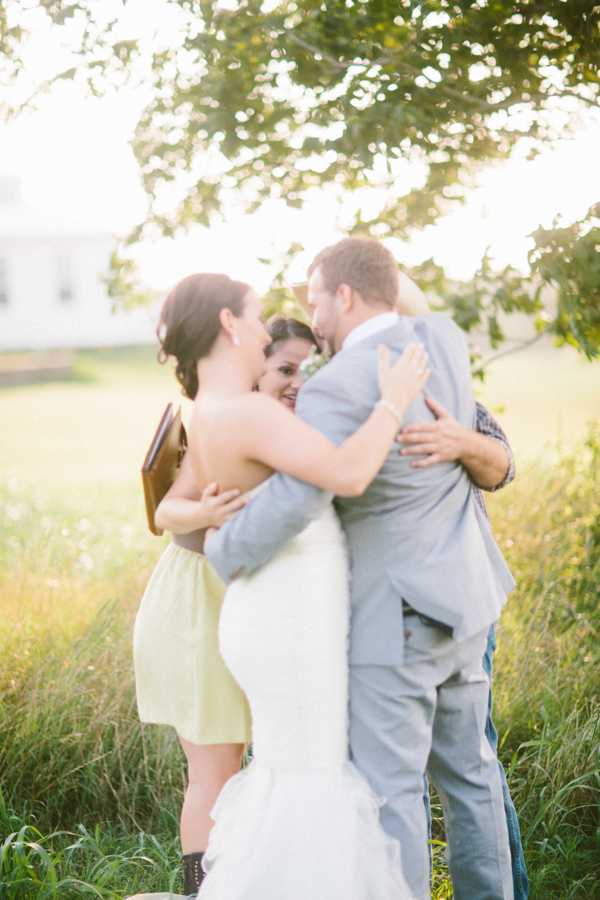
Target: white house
52, 293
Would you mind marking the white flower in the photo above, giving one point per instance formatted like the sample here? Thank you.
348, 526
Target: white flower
313, 362
86, 561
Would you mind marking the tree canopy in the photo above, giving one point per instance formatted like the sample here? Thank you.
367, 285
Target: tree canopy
296, 94
564, 259
265, 100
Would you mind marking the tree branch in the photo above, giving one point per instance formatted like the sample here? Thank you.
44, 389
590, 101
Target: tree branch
316, 52
381, 61
585, 100
522, 346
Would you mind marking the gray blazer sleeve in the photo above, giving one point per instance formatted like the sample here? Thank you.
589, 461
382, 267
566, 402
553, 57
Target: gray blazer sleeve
281, 510
285, 506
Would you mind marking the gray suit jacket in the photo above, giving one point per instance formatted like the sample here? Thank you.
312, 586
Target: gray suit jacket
415, 534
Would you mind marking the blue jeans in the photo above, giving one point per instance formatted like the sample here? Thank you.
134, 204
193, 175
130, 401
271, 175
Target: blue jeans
520, 879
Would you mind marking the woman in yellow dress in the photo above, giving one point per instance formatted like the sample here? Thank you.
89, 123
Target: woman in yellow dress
181, 679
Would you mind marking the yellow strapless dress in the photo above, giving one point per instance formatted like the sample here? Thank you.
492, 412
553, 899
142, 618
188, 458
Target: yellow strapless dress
181, 679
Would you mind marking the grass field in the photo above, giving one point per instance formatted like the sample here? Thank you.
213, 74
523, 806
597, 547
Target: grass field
91, 797
94, 429
543, 397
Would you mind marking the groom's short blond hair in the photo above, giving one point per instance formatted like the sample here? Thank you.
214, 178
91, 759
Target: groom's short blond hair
365, 265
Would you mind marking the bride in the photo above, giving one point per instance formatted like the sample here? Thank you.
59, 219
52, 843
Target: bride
300, 823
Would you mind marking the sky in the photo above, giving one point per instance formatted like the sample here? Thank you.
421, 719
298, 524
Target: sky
75, 159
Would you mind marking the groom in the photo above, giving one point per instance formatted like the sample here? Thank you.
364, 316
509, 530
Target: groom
428, 579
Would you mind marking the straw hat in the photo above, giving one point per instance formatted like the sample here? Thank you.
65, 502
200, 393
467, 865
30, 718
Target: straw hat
411, 299
300, 292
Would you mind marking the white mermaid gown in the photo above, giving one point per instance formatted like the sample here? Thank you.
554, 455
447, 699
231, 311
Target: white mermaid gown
300, 823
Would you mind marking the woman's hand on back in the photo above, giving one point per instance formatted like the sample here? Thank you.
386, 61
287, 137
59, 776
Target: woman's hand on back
185, 508
215, 509
182, 514
401, 383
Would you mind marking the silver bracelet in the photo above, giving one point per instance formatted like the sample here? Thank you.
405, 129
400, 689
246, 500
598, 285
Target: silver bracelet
390, 408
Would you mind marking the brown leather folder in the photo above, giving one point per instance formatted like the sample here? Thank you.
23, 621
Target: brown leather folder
162, 462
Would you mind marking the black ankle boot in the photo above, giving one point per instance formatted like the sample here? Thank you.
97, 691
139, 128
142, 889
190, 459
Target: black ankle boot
193, 873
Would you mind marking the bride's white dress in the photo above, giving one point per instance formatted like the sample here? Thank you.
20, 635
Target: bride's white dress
300, 822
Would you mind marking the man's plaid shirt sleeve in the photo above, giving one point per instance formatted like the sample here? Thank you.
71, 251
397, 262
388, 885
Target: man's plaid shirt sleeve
486, 424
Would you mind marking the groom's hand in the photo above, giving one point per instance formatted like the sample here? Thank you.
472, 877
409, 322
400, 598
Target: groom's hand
443, 440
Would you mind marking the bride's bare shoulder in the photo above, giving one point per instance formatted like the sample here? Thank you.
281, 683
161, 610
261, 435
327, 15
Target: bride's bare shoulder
248, 400
246, 408
257, 406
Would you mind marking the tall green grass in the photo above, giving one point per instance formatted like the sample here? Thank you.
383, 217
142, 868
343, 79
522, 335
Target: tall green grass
65, 865
74, 758
547, 688
71, 743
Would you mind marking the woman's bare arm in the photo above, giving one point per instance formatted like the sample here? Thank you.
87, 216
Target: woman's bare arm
271, 434
185, 508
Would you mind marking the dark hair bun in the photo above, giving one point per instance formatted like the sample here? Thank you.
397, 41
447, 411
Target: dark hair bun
189, 321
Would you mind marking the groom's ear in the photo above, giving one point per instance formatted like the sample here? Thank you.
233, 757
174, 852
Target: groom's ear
346, 296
